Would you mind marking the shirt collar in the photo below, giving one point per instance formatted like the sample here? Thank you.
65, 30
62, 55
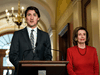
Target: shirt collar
29, 29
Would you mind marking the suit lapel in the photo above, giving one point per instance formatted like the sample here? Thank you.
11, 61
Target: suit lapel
38, 37
26, 37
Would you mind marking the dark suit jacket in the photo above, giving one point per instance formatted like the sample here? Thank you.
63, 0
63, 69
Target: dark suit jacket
21, 43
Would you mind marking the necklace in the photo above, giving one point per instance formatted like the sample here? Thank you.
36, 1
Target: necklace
80, 53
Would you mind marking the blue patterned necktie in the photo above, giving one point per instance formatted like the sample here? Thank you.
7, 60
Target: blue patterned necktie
32, 39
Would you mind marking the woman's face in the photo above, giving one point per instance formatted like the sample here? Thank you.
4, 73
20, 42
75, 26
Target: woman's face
81, 36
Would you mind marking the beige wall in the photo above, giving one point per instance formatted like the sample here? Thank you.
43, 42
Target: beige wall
99, 32
67, 17
89, 25
61, 7
77, 14
95, 22
93, 25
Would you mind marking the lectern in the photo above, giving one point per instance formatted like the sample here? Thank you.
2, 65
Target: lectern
51, 67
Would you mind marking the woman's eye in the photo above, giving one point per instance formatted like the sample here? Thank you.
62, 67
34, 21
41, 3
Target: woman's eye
84, 34
79, 34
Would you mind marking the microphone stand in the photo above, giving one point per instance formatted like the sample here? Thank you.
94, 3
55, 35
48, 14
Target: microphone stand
55, 50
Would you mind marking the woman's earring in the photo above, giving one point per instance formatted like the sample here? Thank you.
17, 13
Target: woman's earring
75, 39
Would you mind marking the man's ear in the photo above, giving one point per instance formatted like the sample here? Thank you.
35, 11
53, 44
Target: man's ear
38, 19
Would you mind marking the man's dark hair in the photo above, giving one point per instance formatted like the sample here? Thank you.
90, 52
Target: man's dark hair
32, 8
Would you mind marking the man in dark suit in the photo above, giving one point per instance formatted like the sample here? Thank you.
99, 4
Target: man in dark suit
30, 43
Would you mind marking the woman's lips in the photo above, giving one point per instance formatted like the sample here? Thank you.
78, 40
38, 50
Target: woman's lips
82, 39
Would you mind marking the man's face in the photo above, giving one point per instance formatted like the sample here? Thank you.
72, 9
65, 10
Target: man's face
32, 18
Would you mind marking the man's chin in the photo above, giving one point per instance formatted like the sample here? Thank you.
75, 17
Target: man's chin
32, 25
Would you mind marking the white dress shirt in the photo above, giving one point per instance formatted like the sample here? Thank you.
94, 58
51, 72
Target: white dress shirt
34, 33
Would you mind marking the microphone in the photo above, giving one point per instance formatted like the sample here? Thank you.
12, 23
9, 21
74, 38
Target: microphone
55, 50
